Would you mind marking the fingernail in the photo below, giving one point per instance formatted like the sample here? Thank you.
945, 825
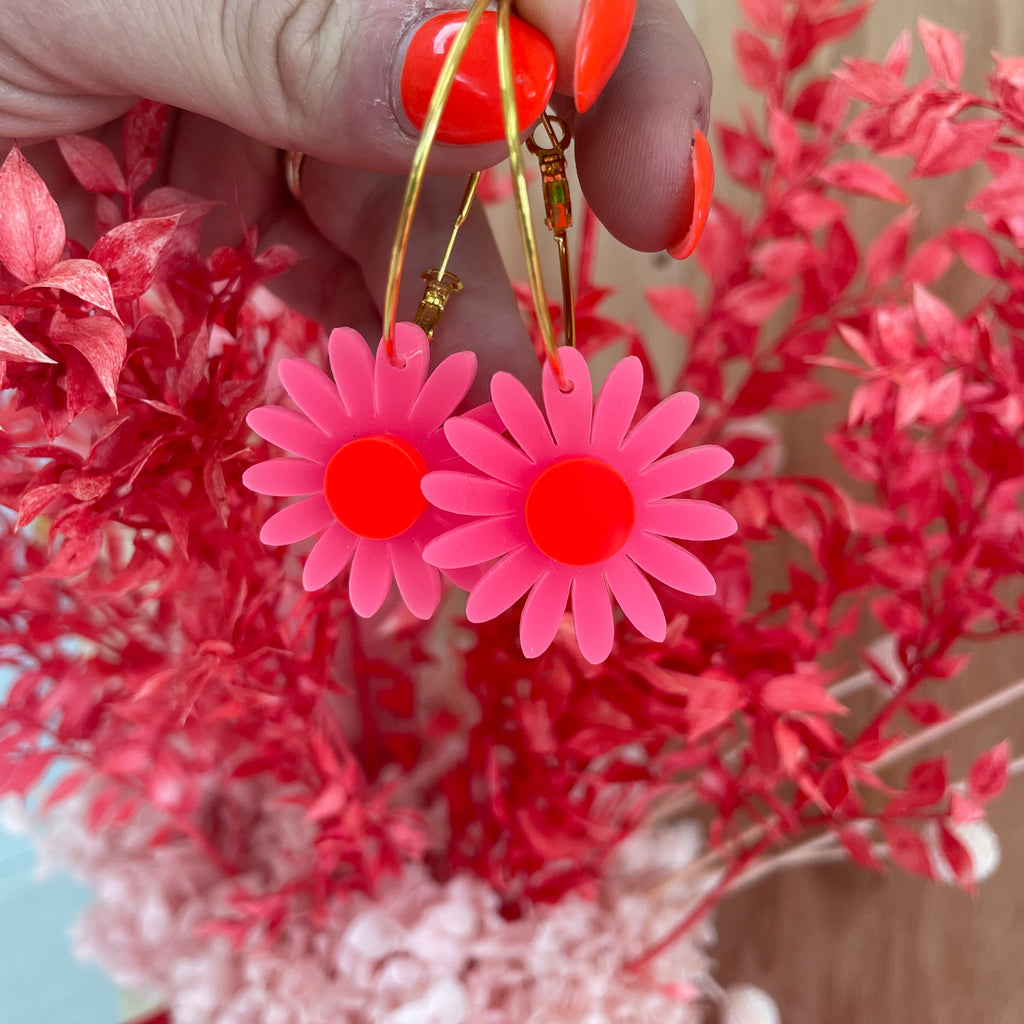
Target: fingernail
703, 169
600, 44
473, 111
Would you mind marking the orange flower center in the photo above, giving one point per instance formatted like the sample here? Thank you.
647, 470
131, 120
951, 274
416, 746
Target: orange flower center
580, 511
372, 485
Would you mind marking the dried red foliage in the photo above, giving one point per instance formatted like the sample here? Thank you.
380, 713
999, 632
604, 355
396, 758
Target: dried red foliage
162, 648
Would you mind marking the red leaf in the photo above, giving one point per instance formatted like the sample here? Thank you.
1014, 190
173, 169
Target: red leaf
989, 774
17, 349
870, 82
743, 155
78, 552
92, 163
32, 233
926, 783
944, 50
33, 502
100, 339
18, 776
940, 326
829, 30
898, 57
797, 692
130, 253
951, 146
863, 179
930, 260
977, 252
711, 702
888, 252
144, 126
675, 307
757, 65
908, 850
784, 140
67, 785
811, 210
767, 16
963, 808
926, 712
753, 302
782, 259
859, 848
85, 280
957, 857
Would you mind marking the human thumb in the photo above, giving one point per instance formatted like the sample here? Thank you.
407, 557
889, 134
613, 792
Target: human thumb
345, 80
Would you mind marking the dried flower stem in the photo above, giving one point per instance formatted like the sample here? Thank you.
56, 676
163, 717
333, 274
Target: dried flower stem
967, 716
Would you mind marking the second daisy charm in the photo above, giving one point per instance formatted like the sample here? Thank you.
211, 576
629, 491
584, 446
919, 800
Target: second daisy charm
578, 506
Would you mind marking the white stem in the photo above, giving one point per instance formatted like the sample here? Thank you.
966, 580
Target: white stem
971, 713
852, 684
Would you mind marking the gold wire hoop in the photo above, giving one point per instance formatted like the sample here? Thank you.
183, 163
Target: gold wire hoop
510, 117
417, 172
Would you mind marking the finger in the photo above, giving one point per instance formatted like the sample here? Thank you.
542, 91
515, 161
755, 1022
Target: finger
633, 148
339, 79
358, 212
589, 38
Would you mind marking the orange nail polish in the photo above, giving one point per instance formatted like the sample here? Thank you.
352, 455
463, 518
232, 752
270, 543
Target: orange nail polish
600, 43
473, 111
703, 168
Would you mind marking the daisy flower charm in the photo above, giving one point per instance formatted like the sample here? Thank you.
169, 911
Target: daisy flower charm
362, 444
577, 506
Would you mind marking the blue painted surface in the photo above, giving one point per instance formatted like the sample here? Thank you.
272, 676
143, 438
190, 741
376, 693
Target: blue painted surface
40, 981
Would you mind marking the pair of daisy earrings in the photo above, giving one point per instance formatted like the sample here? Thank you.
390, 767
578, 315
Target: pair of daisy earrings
569, 503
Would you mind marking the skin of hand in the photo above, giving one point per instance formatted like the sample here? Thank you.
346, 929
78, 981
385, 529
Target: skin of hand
251, 77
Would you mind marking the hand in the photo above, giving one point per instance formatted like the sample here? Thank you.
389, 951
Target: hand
326, 77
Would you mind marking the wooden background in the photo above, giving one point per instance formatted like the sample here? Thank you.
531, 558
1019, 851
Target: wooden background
836, 945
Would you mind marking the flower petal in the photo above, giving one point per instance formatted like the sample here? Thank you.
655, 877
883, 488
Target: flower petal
396, 388
329, 556
521, 417
291, 431
371, 576
616, 405
660, 429
569, 413
442, 392
418, 583
592, 615
297, 522
474, 543
688, 519
487, 451
315, 394
683, 471
352, 366
636, 597
671, 564
284, 478
543, 612
470, 494
503, 584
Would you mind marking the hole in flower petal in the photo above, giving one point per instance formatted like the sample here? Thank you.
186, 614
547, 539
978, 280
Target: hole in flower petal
580, 511
372, 485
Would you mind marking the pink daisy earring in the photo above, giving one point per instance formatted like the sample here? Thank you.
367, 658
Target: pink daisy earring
578, 506
362, 443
